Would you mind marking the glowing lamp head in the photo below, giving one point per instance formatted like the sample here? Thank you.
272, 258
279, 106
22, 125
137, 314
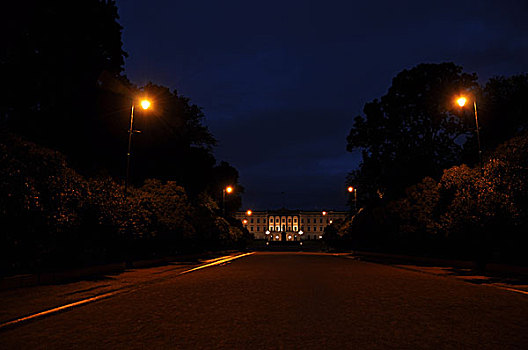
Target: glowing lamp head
461, 101
145, 104
324, 213
350, 189
244, 221
249, 212
229, 189
267, 232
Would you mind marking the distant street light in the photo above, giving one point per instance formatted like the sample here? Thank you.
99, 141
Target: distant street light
350, 190
461, 101
324, 213
145, 104
249, 212
225, 190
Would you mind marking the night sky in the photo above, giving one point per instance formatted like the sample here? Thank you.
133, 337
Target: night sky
281, 81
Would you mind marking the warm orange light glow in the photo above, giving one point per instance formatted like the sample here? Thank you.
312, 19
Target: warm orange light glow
229, 189
249, 212
461, 101
350, 189
145, 104
324, 213
244, 221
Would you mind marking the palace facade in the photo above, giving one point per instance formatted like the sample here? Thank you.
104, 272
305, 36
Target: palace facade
288, 225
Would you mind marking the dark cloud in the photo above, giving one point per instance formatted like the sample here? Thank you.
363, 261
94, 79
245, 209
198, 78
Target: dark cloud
280, 81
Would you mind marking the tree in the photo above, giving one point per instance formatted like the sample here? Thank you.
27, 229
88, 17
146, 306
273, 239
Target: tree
173, 144
50, 66
411, 132
503, 112
226, 175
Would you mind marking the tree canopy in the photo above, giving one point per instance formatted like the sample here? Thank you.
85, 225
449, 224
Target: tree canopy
411, 132
51, 62
64, 87
503, 109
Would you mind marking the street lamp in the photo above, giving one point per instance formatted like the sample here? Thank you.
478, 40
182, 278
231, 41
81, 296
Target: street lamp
145, 104
249, 212
461, 101
225, 190
350, 190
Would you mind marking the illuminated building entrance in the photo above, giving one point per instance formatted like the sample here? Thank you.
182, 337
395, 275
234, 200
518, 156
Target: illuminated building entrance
288, 225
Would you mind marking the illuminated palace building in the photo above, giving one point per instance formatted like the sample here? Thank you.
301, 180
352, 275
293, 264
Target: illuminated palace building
288, 225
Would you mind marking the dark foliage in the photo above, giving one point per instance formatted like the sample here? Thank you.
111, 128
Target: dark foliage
466, 214
411, 132
52, 217
64, 88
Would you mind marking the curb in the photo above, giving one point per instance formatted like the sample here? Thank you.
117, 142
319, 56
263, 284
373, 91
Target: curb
395, 258
30, 280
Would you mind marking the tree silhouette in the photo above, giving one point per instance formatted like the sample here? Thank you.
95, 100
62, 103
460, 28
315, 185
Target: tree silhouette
50, 66
411, 132
503, 111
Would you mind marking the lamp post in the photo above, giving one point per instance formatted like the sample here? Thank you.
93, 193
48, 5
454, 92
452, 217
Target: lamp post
462, 102
350, 190
225, 190
145, 104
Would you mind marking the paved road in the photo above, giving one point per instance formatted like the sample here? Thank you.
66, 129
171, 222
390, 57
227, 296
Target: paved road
288, 301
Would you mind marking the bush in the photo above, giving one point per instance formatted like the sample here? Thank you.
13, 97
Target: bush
51, 217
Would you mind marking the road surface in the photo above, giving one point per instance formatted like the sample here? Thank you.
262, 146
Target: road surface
270, 301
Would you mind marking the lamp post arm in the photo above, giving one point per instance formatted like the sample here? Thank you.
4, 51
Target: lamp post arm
355, 199
130, 132
478, 135
223, 202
